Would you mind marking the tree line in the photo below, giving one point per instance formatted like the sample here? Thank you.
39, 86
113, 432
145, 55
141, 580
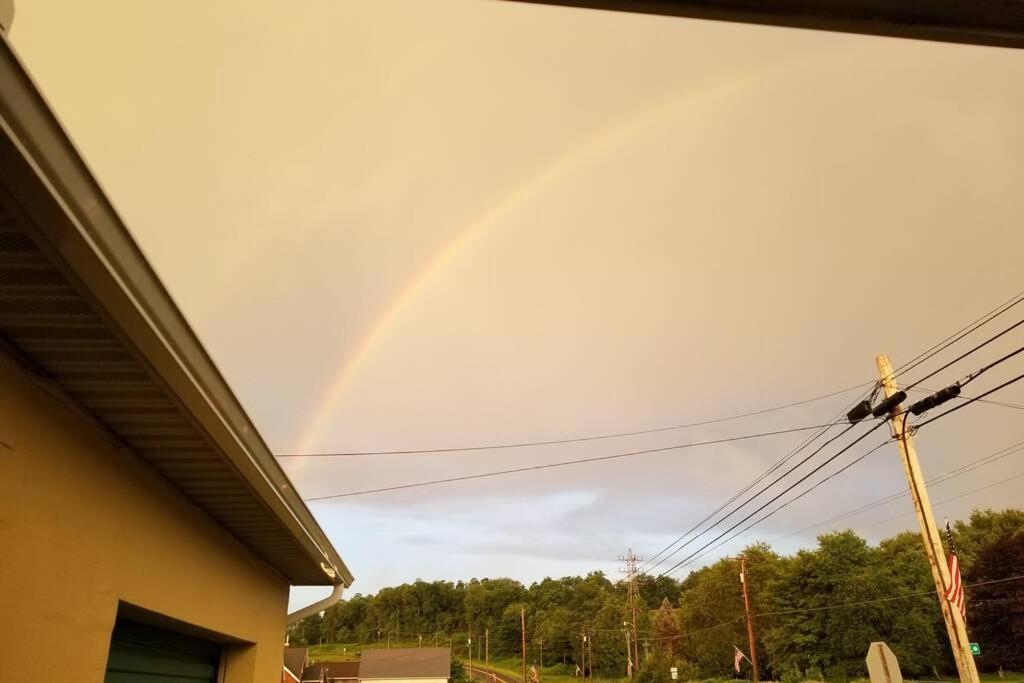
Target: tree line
815, 611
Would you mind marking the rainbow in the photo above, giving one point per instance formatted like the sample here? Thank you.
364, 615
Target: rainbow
708, 96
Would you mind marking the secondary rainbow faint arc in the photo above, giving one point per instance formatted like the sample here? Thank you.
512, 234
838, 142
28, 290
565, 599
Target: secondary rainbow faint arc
707, 96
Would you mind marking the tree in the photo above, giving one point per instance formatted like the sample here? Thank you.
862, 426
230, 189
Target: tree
665, 629
984, 528
996, 610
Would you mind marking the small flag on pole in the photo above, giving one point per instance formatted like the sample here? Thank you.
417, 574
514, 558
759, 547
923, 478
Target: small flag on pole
955, 592
737, 658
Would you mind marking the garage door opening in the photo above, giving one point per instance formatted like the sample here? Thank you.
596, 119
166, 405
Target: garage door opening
141, 653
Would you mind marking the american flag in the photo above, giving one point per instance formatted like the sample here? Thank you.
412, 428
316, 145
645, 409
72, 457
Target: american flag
737, 658
955, 592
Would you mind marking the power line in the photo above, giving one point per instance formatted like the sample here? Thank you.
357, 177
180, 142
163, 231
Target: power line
908, 366
779, 495
914, 362
789, 502
950, 500
792, 453
960, 334
566, 463
753, 497
938, 479
964, 397
860, 603
971, 351
580, 439
970, 401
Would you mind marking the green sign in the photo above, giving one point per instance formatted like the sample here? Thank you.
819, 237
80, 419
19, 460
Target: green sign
975, 649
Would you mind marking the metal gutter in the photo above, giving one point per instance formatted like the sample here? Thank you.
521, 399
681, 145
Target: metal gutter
89, 243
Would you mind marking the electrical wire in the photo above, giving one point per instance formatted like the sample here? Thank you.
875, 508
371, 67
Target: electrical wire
756, 495
949, 500
914, 362
969, 401
650, 562
580, 439
779, 495
566, 463
959, 334
938, 479
788, 502
963, 397
967, 353
860, 603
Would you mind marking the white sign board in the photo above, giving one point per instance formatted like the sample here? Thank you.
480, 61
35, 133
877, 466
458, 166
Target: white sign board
675, 673
882, 664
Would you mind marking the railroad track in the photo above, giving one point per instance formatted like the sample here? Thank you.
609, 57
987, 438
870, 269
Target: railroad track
480, 673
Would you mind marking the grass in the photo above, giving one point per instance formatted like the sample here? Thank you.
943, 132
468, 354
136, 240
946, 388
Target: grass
349, 652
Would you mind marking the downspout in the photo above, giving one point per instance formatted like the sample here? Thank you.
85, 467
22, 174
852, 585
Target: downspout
320, 605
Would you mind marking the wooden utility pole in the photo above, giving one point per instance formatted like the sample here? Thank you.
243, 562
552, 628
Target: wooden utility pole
955, 625
522, 622
629, 652
750, 620
583, 653
487, 649
469, 646
590, 654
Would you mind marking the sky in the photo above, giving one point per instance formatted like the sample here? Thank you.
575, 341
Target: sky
415, 225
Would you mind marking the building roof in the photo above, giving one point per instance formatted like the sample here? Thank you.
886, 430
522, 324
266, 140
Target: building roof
336, 671
83, 310
405, 662
981, 22
295, 660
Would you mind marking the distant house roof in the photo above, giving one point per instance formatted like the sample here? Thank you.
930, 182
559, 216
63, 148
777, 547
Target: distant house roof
336, 671
406, 662
295, 660
84, 311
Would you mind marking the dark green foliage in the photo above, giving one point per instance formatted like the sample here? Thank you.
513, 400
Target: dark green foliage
457, 671
805, 629
997, 609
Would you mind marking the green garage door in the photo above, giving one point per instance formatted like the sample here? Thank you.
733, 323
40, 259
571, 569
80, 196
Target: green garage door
146, 654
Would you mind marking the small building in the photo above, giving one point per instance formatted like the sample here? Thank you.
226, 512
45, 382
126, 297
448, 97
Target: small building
296, 658
331, 672
406, 665
148, 531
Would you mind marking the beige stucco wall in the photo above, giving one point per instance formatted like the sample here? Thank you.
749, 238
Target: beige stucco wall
84, 524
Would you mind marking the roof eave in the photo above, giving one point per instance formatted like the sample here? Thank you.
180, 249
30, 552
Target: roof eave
91, 245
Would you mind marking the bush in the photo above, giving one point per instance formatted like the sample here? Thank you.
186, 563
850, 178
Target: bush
792, 675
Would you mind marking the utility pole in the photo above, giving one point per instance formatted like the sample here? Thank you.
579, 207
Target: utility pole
487, 648
583, 653
750, 620
632, 599
590, 654
420, 636
522, 621
629, 652
469, 646
541, 642
955, 625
